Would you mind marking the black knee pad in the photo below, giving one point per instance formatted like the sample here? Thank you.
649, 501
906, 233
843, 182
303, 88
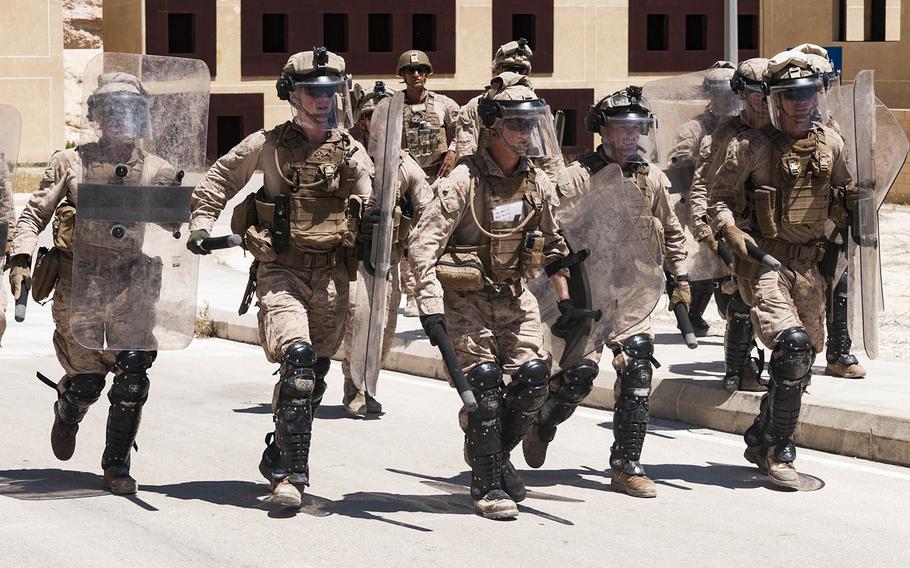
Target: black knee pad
129, 388
299, 354
135, 361
528, 389
792, 356
640, 347
636, 375
485, 376
577, 381
85, 388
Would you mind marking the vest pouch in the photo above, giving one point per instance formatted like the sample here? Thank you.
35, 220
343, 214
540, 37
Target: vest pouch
764, 201
258, 240
532, 255
318, 221
64, 227
460, 270
505, 256
244, 216
46, 273
806, 203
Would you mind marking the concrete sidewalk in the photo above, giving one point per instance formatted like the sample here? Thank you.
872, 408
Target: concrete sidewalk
863, 418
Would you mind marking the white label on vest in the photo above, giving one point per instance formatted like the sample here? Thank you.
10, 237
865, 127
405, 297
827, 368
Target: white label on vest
514, 211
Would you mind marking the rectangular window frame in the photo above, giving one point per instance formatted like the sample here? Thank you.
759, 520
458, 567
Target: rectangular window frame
542, 10
249, 106
157, 13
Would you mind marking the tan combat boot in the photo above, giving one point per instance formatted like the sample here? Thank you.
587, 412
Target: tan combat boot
117, 480
496, 504
534, 447
286, 494
354, 401
780, 473
634, 485
845, 367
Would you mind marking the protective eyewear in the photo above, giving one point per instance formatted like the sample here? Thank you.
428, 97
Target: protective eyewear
422, 69
519, 124
803, 94
319, 91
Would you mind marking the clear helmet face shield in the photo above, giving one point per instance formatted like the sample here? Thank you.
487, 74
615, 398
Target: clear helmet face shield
722, 101
323, 101
800, 105
754, 105
528, 131
631, 138
121, 116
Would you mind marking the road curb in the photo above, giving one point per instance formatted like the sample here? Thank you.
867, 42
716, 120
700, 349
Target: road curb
852, 430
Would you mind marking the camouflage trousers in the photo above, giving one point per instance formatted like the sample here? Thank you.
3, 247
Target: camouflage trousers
408, 280
792, 297
388, 334
301, 305
501, 329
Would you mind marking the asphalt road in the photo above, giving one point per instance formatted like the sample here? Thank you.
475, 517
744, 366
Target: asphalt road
393, 491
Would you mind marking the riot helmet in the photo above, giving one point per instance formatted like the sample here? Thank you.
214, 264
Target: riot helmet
747, 83
627, 128
315, 84
722, 101
514, 56
120, 107
514, 113
797, 92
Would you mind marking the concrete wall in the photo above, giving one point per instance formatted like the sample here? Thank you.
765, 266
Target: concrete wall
900, 193
31, 74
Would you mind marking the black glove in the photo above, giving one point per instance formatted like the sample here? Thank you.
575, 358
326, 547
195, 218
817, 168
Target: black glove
193, 242
571, 318
368, 225
434, 325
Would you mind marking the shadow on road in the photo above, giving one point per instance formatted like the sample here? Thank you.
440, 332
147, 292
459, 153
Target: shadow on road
43, 484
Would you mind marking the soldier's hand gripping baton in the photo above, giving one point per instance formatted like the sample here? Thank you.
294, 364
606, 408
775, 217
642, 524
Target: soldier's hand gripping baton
763, 257
22, 301
441, 339
215, 243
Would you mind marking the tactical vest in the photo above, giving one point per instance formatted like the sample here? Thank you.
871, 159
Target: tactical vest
318, 182
510, 248
800, 192
423, 134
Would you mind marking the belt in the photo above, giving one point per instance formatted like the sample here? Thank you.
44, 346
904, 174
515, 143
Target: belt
294, 258
784, 251
503, 289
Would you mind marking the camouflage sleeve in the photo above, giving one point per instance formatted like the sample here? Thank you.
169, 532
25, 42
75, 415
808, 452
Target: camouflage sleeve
571, 184
39, 211
554, 247
466, 129
224, 179
363, 174
698, 193
686, 148
7, 202
552, 166
674, 237
451, 121
728, 179
430, 236
840, 173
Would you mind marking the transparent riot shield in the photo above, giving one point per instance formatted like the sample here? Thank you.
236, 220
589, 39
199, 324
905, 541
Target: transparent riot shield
133, 280
619, 272
373, 276
10, 129
685, 117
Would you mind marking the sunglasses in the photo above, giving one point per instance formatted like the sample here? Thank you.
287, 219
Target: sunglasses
318, 92
519, 124
422, 69
798, 94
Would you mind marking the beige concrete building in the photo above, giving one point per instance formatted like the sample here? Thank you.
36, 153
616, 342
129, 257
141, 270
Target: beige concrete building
31, 73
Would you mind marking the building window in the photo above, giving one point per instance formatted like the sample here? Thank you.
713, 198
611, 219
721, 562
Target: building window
523, 26
658, 32
696, 32
875, 16
183, 28
529, 19
570, 132
747, 26
180, 33
335, 32
232, 117
379, 32
274, 33
423, 32
229, 133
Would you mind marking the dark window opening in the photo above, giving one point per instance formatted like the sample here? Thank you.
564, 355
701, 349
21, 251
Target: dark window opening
696, 32
569, 133
875, 10
335, 32
658, 32
423, 32
524, 26
181, 30
230, 133
379, 32
840, 20
747, 28
274, 33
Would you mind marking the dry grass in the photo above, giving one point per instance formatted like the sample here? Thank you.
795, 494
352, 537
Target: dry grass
26, 179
